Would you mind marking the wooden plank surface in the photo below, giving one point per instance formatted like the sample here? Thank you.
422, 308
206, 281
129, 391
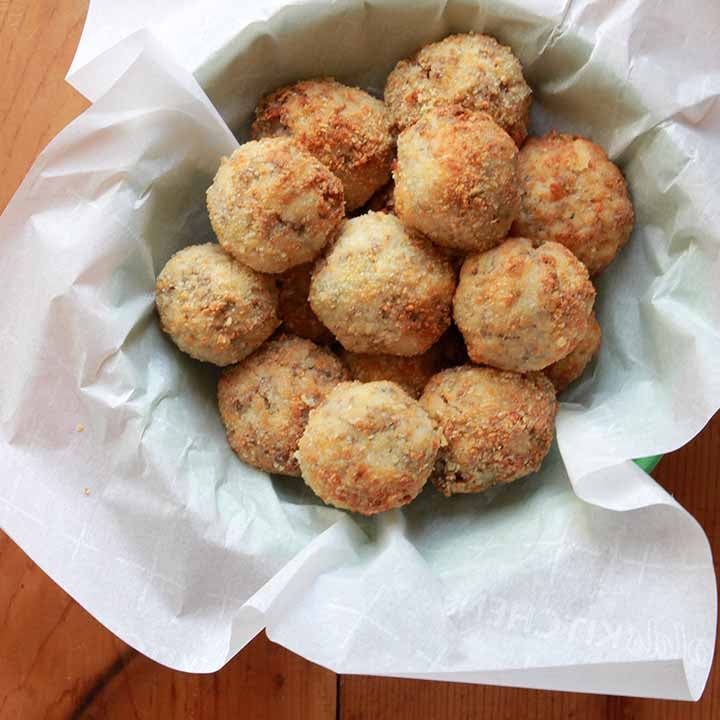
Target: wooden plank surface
57, 662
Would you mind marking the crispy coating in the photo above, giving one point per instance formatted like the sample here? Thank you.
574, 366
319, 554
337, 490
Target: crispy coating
471, 71
295, 311
368, 448
498, 426
273, 205
455, 179
523, 308
572, 366
213, 307
383, 289
410, 373
265, 400
343, 127
573, 194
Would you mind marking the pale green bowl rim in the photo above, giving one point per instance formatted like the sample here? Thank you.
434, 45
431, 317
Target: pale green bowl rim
648, 464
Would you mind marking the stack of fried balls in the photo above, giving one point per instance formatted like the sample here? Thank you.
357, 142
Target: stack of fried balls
429, 267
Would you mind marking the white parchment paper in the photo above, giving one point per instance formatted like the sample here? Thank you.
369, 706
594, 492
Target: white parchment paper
586, 576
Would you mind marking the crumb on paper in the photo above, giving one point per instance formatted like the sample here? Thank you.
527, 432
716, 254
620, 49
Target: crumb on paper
80, 428
86, 491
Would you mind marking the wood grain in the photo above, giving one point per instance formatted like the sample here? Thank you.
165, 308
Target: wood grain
37, 43
56, 661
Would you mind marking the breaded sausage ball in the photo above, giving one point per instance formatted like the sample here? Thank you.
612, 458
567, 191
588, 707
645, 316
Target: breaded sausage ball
410, 373
523, 308
455, 179
368, 448
383, 289
213, 307
265, 400
572, 194
471, 71
343, 127
498, 426
274, 206
572, 366
295, 311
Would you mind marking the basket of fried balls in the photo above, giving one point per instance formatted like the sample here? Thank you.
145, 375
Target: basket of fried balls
362, 229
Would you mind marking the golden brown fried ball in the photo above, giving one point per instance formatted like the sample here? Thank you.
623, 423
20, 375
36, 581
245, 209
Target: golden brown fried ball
265, 400
572, 194
273, 205
571, 367
295, 311
343, 127
368, 448
213, 307
383, 289
455, 179
498, 426
410, 373
471, 71
523, 308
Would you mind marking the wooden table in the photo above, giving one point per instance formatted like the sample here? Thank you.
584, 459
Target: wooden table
69, 666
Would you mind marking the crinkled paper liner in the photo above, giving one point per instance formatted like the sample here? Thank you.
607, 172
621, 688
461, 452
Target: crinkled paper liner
586, 576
